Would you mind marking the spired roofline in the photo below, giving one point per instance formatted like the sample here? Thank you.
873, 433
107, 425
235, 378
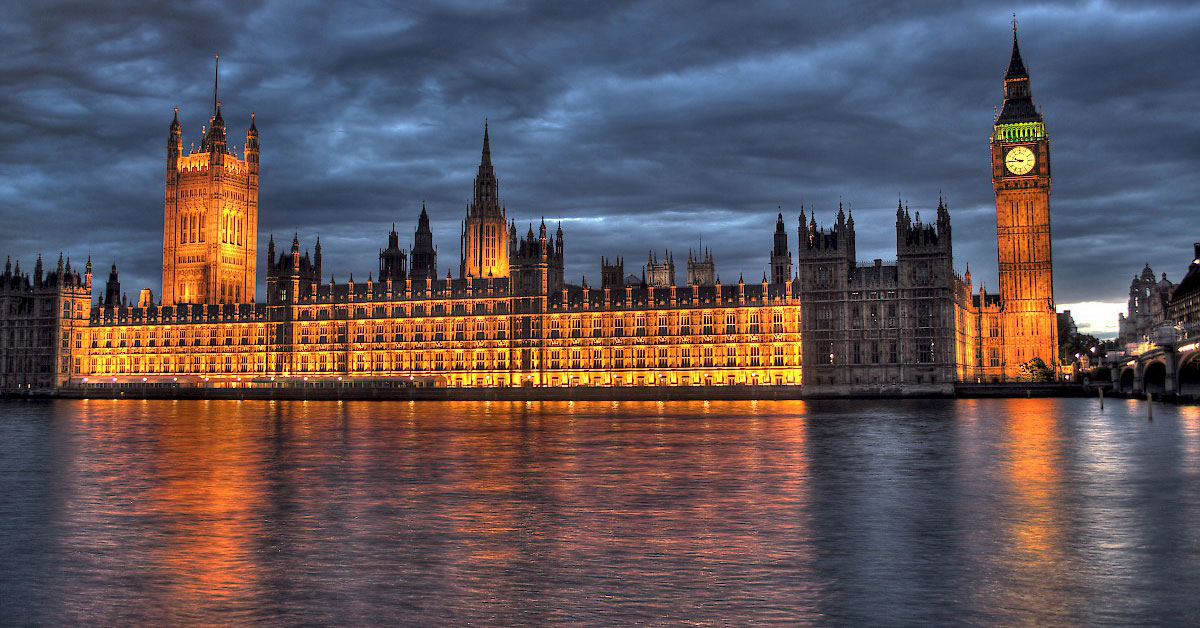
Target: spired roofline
1018, 104
1016, 67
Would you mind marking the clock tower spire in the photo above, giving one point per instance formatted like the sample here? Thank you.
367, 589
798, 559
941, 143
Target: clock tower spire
1020, 151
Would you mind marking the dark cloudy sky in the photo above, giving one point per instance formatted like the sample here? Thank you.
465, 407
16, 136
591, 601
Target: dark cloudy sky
637, 124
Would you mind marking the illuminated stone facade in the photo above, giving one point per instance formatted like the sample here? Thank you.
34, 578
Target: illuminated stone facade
1025, 313
457, 332
210, 217
511, 319
516, 323
485, 233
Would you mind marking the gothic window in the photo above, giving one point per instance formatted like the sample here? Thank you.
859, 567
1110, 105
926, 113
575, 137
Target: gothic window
922, 274
925, 350
823, 275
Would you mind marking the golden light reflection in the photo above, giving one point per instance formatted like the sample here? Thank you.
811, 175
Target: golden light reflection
1033, 451
1189, 419
211, 488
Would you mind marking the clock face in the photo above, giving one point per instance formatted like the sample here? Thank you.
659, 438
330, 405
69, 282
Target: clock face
1019, 160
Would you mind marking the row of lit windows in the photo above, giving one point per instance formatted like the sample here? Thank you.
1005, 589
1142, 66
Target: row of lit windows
448, 359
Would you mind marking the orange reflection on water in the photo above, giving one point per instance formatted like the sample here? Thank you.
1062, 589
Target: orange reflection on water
1033, 451
1189, 420
211, 486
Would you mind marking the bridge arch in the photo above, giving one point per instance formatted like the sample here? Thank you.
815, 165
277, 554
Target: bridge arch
1188, 379
1154, 378
1128, 376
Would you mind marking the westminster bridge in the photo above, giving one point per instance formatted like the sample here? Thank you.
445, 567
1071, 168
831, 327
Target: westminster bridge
1165, 367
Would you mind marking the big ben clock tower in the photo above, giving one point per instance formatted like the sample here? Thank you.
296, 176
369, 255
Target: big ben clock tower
1021, 177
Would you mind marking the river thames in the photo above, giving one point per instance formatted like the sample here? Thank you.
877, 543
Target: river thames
1047, 512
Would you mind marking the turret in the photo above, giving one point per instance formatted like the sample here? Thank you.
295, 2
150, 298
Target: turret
558, 242
271, 253
316, 270
781, 258
943, 216
252, 141
423, 255
174, 143
112, 289
251, 152
612, 273
393, 263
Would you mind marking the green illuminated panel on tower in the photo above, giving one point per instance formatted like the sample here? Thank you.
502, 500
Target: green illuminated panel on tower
1020, 132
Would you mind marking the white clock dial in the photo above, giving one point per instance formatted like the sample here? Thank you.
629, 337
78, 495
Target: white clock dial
1020, 160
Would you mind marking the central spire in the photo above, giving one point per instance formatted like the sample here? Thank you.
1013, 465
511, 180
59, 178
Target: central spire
1018, 97
487, 148
1016, 67
216, 72
487, 198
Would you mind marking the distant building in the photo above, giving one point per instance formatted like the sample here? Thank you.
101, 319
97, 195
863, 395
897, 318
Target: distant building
701, 270
612, 273
660, 274
1066, 323
1184, 306
1146, 308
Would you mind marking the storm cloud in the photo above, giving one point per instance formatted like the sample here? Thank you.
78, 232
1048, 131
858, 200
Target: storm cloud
639, 125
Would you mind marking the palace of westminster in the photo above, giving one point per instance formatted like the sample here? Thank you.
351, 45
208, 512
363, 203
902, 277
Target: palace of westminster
819, 319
